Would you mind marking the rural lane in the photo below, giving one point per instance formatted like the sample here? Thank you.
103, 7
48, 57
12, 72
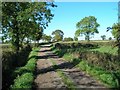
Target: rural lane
47, 76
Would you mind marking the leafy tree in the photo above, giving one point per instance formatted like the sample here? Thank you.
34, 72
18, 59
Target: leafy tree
58, 35
46, 37
103, 37
110, 38
21, 20
75, 38
68, 39
116, 34
87, 26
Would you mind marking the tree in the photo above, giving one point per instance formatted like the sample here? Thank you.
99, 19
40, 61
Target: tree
75, 38
68, 39
87, 26
116, 34
46, 38
110, 38
103, 37
27, 20
58, 35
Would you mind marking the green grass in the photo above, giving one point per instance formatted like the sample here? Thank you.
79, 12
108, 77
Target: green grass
107, 49
68, 57
30, 66
24, 81
104, 76
70, 84
107, 78
25, 74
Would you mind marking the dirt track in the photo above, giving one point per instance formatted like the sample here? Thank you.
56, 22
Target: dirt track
47, 77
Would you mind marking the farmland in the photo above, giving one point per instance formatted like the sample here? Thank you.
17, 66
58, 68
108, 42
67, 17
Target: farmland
80, 56
78, 50
100, 69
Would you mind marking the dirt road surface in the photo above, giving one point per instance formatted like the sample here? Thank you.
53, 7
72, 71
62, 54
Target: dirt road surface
47, 77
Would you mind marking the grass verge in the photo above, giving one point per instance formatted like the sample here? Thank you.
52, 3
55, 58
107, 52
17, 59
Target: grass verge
106, 49
109, 79
24, 75
70, 84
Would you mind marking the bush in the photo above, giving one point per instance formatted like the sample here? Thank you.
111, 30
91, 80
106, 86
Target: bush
68, 39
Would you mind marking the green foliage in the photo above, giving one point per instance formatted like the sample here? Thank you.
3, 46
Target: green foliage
103, 66
26, 21
47, 38
116, 34
104, 76
58, 35
29, 67
68, 39
87, 26
23, 81
110, 38
68, 57
11, 60
115, 30
25, 74
107, 49
75, 38
103, 37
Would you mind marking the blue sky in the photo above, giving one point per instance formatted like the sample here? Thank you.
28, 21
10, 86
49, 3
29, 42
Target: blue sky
67, 14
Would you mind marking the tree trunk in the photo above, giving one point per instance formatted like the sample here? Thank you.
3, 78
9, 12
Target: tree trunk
87, 37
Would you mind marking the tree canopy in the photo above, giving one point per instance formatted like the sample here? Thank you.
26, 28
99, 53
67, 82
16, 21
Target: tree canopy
68, 39
47, 38
103, 37
25, 20
87, 26
58, 35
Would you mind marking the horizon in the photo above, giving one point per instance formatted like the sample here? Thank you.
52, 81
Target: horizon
66, 17
67, 14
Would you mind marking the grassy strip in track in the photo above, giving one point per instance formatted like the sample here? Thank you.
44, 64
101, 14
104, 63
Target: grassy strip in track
70, 84
25, 74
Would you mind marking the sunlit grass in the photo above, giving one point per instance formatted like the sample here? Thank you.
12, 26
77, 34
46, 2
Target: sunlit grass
106, 77
24, 74
107, 49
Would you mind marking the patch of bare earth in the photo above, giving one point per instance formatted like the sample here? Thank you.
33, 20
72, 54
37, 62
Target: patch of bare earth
47, 76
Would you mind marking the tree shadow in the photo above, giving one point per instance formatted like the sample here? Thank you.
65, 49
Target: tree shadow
44, 50
64, 65
46, 56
